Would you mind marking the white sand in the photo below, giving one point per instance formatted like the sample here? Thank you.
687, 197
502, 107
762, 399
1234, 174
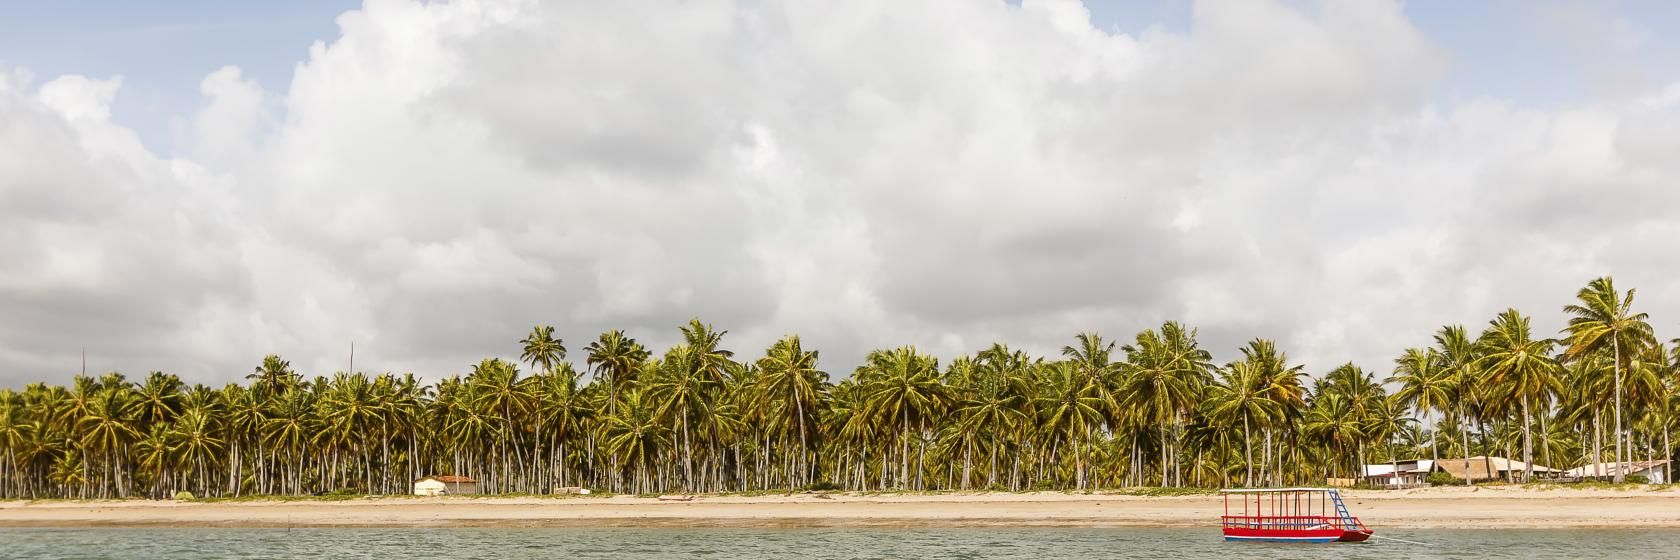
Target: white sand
1490, 507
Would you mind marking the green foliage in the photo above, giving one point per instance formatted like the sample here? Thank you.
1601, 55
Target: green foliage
1149, 417
1442, 479
1166, 491
1044, 486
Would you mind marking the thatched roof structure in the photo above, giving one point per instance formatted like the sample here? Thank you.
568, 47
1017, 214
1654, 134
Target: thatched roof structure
1486, 468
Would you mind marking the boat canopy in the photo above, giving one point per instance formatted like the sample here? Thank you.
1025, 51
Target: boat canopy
1269, 490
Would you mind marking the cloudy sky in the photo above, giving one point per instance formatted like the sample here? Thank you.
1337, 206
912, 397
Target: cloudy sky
189, 187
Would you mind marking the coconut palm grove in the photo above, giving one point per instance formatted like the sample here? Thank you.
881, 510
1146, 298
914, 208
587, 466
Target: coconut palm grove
1153, 409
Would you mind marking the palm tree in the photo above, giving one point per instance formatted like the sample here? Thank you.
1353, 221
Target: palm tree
1458, 355
1240, 393
636, 436
712, 360
543, 352
792, 388
1385, 420
1519, 366
1426, 385
996, 403
615, 358
1072, 406
1280, 384
159, 400
194, 445
272, 377
245, 417
1167, 372
108, 428
541, 349
678, 388
500, 398
565, 411
902, 384
1332, 419
1604, 317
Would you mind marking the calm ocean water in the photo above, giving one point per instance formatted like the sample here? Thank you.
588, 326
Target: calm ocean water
805, 544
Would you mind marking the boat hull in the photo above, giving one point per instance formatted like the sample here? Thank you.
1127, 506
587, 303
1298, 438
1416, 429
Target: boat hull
1295, 536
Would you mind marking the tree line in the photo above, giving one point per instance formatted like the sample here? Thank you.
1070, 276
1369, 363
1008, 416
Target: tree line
1156, 410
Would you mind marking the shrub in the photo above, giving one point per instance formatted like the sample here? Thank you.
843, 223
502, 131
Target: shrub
823, 486
1638, 479
1043, 485
1441, 479
1156, 491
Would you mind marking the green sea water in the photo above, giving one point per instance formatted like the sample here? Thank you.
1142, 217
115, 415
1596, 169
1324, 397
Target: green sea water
807, 544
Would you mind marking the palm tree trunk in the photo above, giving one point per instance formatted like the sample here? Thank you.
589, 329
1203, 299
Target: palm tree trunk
1078, 465
1248, 454
804, 446
1648, 441
688, 453
1464, 435
1487, 450
1546, 437
1668, 455
1393, 460
1528, 444
991, 470
904, 450
1616, 344
1598, 444
1164, 479
1510, 473
921, 463
1358, 459
1178, 434
968, 462
1434, 441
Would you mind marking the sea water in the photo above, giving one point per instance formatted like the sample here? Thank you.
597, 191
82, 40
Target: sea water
809, 544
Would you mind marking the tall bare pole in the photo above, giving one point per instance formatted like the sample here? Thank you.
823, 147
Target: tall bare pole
352, 358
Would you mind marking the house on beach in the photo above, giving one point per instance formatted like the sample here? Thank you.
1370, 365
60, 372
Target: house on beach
1402, 474
442, 485
1655, 472
1484, 469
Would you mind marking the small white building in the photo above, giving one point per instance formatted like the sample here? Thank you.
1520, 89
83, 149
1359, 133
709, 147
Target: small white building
445, 486
1654, 471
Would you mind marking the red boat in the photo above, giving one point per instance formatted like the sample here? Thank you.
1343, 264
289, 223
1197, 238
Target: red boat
1314, 515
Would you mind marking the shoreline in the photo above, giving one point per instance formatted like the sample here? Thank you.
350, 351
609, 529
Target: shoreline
1431, 508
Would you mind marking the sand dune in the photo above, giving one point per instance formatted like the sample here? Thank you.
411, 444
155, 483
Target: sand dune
1427, 508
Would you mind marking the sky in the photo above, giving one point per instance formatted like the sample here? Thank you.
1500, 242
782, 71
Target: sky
191, 185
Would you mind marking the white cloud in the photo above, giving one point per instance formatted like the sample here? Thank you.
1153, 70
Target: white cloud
443, 176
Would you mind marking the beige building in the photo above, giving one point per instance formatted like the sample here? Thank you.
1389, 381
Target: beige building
1492, 468
445, 486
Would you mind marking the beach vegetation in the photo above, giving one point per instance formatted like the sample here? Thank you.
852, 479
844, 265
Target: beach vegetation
1155, 413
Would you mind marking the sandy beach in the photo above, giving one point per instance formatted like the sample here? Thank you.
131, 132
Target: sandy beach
1490, 507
